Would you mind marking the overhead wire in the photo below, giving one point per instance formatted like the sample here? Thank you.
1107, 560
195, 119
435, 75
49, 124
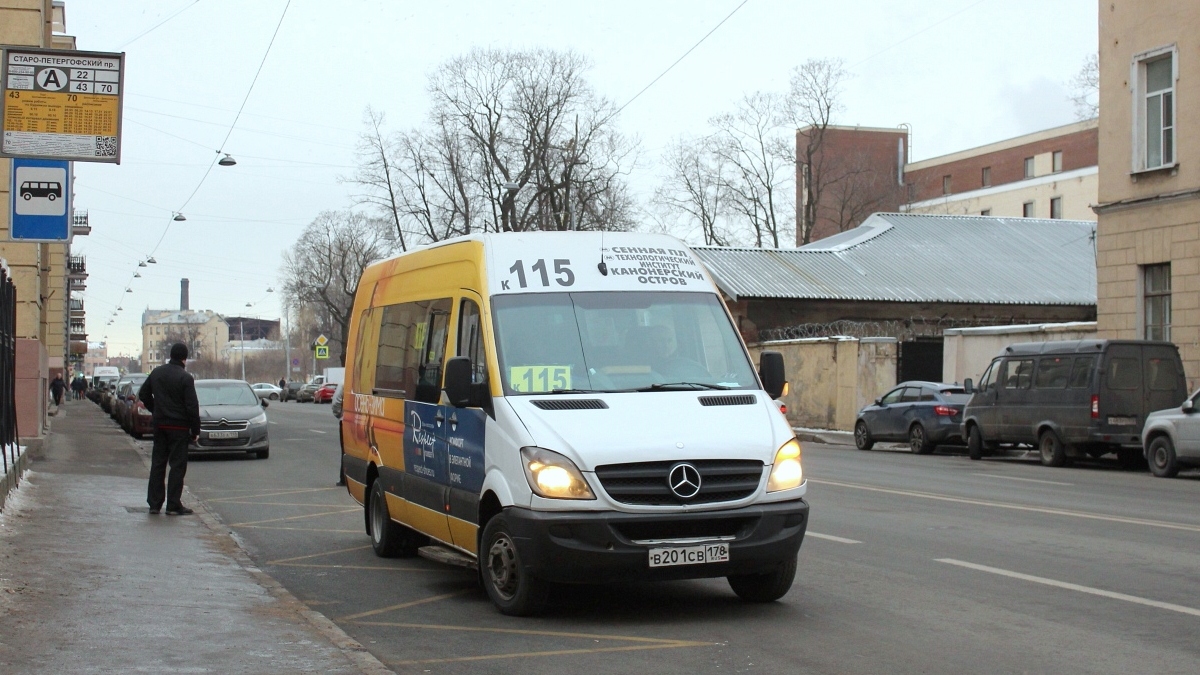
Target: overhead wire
156, 26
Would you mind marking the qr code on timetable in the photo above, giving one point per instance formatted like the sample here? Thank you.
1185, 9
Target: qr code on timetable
106, 146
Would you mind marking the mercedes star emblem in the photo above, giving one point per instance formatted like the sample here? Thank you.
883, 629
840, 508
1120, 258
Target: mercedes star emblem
684, 480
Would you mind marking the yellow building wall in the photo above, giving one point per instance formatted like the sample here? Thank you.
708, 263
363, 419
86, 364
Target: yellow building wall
1078, 192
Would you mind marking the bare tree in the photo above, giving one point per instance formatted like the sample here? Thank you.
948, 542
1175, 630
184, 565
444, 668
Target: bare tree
324, 265
1085, 89
856, 187
812, 102
694, 187
751, 142
377, 173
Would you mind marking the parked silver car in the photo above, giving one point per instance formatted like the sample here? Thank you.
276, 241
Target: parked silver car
1171, 438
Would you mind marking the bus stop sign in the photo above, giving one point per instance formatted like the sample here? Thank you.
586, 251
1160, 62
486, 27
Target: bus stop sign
40, 200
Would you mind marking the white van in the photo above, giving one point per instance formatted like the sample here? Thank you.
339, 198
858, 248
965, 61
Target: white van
568, 407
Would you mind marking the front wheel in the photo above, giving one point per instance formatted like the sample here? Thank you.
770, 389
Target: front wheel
918, 442
974, 442
1051, 448
862, 436
389, 538
767, 587
1163, 462
508, 584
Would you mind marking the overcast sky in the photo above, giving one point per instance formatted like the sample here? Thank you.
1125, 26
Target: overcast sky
960, 72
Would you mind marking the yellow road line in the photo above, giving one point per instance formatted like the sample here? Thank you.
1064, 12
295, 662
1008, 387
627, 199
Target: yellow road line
318, 555
307, 515
302, 529
385, 568
1016, 507
530, 631
559, 652
285, 504
275, 494
403, 605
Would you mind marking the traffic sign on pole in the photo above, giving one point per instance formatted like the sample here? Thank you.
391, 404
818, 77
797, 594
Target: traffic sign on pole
40, 200
322, 352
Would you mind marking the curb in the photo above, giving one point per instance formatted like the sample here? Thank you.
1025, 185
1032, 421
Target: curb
16, 471
353, 650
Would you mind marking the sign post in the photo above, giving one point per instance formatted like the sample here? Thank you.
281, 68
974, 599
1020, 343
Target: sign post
61, 104
40, 200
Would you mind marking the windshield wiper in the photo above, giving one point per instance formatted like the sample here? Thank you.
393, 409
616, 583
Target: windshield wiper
666, 386
580, 391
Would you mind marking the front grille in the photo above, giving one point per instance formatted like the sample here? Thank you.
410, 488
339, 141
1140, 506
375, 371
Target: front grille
229, 425
699, 528
570, 404
645, 483
731, 399
223, 442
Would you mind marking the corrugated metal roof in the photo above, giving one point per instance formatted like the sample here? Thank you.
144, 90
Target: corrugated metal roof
901, 257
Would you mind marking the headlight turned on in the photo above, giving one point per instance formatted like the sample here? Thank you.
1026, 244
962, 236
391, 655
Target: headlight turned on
260, 418
786, 473
553, 476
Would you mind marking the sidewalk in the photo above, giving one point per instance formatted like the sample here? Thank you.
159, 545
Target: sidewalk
89, 582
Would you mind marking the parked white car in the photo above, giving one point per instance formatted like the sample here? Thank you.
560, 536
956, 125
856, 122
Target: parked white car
1171, 438
266, 390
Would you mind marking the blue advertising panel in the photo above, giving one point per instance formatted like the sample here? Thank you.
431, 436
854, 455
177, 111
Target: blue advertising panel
40, 197
464, 445
424, 442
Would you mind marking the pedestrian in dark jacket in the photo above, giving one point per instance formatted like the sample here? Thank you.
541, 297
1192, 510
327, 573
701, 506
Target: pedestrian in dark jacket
170, 394
57, 387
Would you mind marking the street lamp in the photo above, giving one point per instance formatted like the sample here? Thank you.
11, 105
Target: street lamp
226, 160
179, 218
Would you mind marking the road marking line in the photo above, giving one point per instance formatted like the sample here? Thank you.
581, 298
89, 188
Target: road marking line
369, 567
404, 605
1014, 507
277, 503
830, 537
318, 431
307, 515
1073, 587
542, 633
318, 555
272, 422
271, 494
1026, 480
560, 652
302, 529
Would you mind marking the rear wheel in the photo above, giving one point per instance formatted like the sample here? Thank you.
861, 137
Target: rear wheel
274, 397
974, 442
508, 584
1051, 448
918, 442
862, 436
767, 587
1163, 462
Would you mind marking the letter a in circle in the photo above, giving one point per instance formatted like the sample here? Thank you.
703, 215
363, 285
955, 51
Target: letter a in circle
52, 79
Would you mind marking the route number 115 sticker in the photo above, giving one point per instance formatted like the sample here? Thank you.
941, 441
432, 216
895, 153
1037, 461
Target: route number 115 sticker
540, 271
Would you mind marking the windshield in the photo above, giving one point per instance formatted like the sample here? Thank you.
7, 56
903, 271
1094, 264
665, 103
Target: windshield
225, 393
601, 341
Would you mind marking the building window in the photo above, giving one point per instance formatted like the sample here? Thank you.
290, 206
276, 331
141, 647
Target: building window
985, 212
945, 185
1156, 301
1056, 207
1155, 129
1029, 167
986, 178
1056, 159
1027, 210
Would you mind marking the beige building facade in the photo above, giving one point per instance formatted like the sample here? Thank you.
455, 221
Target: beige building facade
1148, 231
39, 271
204, 332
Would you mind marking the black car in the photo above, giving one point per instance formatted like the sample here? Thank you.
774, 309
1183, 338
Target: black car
291, 391
926, 414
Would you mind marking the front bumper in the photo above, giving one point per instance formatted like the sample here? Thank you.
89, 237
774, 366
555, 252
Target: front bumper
254, 438
601, 547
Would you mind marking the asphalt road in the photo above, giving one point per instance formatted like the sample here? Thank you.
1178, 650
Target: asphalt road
913, 564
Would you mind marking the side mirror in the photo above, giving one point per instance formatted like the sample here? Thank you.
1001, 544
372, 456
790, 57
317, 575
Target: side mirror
770, 369
969, 386
458, 381
1187, 406
264, 402
879, 401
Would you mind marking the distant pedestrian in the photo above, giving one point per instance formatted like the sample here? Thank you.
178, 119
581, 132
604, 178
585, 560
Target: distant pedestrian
57, 387
170, 394
282, 383
78, 386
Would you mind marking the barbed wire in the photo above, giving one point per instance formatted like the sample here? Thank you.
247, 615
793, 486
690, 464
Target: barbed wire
901, 329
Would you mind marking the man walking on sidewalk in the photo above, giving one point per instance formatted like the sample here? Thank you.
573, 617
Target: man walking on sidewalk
170, 394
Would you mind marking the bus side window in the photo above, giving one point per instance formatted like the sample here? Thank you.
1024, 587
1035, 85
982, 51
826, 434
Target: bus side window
412, 342
470, 339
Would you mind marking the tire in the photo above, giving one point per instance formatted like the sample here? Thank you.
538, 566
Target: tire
974, 442
51, 196
389, 538
509, 586
767, 587
918, 442
862, 436
1163, 462
274, 397
1051, 448
262, 454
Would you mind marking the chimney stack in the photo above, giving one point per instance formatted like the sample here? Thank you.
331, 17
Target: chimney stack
183, 295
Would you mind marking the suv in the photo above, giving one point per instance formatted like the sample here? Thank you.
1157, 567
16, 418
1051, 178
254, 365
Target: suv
1076, 398
1172, 438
